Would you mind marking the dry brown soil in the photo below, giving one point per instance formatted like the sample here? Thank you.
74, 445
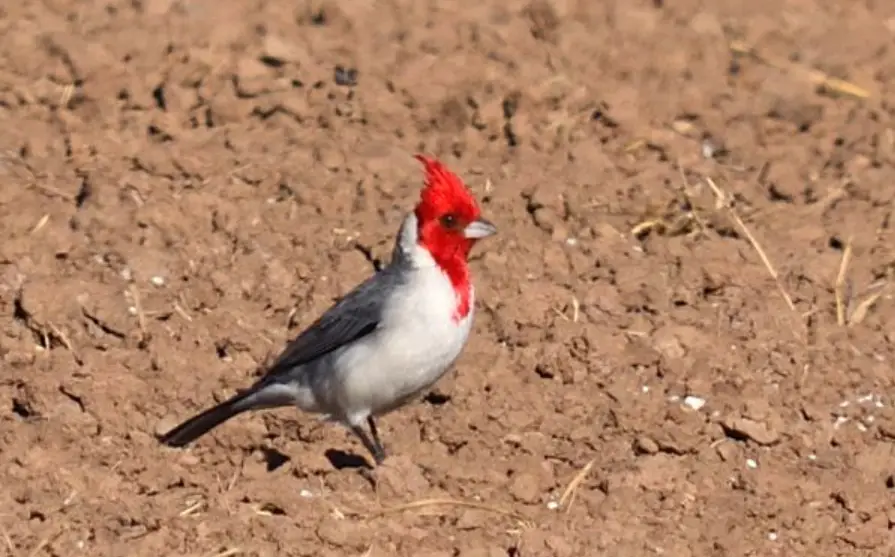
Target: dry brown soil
186, 184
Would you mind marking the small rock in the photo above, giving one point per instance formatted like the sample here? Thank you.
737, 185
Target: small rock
278, 50
726, 451
694, 402
400, 477
543, 20
479, 551
887, 430
546, 219
345, 77
471, 519
667, 343
677, 441
756, 431
189, 459
559, 546
645, 445
344, 533
525, 488
252, 78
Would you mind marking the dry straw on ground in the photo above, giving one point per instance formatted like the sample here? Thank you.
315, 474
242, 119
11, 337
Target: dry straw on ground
825, 82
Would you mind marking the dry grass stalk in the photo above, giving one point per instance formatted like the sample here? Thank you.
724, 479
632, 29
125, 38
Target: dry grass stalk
847, 312
41, 223
422, 503
841, 286
568, 495
863, 308
815, 77
724, 201
138, 308
228, 552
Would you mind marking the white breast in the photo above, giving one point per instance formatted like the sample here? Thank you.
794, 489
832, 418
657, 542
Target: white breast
417, 341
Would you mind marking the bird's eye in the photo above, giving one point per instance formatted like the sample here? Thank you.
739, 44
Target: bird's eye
449, 221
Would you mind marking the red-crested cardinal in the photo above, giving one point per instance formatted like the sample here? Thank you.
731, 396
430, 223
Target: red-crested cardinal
386, 341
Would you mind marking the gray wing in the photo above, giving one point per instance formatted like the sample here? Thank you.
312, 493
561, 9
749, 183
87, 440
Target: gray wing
354, 316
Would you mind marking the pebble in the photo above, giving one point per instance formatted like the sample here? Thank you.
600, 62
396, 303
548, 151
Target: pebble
343, 533
525, 488
645, 445
759, 432
694, 402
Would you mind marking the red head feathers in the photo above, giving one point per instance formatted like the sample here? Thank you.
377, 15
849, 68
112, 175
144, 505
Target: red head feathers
444, 193
449, 223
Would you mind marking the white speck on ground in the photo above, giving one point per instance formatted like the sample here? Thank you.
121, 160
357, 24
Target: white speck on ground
694, 402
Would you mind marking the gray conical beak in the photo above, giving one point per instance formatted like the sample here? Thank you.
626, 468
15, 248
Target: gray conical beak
478, 229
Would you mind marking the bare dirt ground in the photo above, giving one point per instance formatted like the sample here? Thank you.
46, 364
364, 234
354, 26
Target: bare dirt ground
186, 184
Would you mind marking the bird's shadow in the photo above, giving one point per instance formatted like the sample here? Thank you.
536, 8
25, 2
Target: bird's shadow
273, 458
341, 460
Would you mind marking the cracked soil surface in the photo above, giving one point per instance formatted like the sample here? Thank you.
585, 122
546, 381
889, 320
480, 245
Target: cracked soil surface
187, 183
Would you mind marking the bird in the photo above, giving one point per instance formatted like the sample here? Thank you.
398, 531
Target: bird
388, 340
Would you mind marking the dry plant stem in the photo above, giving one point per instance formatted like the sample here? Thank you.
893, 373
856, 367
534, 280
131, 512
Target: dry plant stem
450, 502
138, 307
815, 77
861, 311
44, 543
229, 552
568, 495
8, 540
839, 288
723, 201
41, 223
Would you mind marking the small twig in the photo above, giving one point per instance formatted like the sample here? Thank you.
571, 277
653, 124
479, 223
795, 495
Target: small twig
138, 308
568, 495
182, 312
839, 288
723, 201
51, 191
192, 509
8, 540
63, 338
642, 228
67, 94
41, 223
815, 77
228, 552
863, 308
450, 502
45, 542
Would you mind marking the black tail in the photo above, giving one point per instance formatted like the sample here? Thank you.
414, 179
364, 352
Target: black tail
202, 423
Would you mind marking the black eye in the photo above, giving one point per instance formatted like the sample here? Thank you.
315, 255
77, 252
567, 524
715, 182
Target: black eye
449, 220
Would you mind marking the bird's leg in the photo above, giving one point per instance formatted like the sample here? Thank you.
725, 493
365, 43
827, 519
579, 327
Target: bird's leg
372, 423
374, 448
